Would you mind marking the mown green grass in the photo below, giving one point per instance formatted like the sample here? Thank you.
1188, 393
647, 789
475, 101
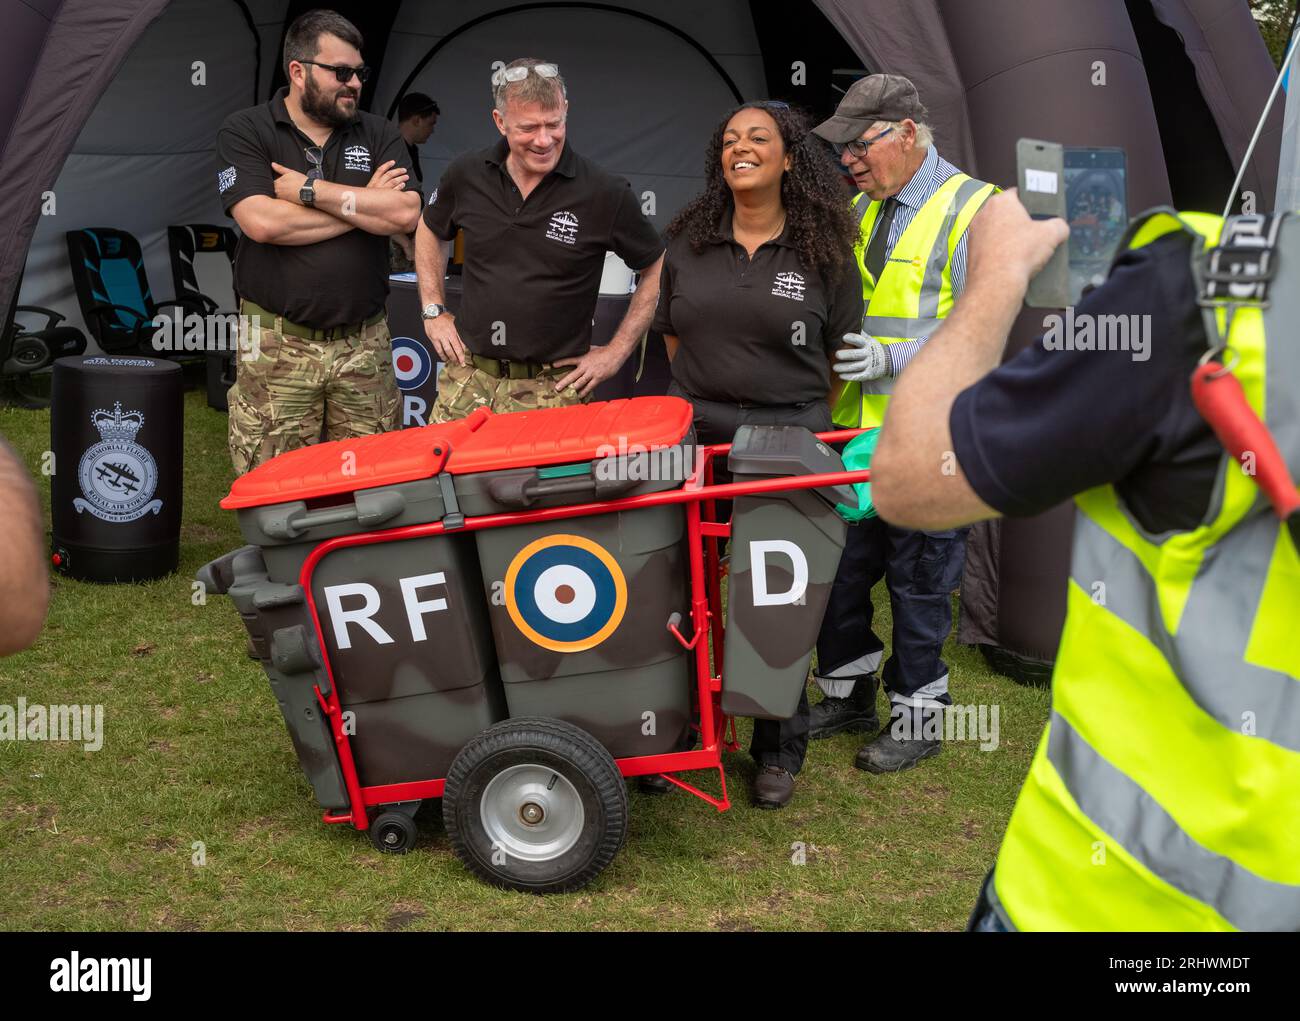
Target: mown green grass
195, 750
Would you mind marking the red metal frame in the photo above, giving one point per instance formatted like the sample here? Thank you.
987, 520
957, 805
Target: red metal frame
701, 496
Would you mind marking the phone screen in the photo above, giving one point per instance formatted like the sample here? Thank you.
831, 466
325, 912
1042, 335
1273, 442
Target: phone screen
1096, 203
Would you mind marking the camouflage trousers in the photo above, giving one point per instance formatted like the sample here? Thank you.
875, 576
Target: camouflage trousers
462, 388
298, 391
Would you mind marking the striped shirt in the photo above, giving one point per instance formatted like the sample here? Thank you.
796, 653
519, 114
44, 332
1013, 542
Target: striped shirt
929, 177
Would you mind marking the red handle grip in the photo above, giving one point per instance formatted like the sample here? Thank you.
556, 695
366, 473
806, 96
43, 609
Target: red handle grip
1219, 398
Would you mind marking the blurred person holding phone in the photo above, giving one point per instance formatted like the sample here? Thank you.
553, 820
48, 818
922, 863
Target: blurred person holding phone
24, 578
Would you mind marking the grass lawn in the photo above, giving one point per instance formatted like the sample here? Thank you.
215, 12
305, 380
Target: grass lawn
195, 750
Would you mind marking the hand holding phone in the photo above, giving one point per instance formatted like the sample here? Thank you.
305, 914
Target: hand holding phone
1040, 173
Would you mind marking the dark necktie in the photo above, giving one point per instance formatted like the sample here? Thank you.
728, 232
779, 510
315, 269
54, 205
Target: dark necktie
880, 239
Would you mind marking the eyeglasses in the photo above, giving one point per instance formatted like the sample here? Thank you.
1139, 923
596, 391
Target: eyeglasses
316, 157
518, 74
775, 104
859, 146
342, 72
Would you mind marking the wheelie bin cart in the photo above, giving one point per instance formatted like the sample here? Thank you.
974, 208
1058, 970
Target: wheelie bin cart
511, 613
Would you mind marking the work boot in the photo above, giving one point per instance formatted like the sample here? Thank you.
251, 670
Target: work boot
894, 749
856, 713
655, 783
773, 787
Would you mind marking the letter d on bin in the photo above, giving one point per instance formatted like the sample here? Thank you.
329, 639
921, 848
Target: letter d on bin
785, 549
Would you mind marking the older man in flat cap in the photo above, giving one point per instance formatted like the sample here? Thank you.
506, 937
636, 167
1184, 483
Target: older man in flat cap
913, 210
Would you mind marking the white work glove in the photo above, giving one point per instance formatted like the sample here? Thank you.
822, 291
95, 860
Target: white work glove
866, 359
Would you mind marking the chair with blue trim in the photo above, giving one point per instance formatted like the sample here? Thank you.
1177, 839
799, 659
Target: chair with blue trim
113, 290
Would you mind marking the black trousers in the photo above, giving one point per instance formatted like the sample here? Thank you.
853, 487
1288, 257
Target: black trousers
921, 569
781, 743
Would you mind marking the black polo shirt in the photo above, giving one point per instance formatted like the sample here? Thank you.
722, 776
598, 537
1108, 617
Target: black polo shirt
754, 331
330, 283
1053, 423
533, 266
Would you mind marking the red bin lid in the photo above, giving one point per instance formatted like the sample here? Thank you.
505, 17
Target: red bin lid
482, 442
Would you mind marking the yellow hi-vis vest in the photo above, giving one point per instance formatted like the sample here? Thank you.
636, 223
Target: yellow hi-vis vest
914, 292
1165, 793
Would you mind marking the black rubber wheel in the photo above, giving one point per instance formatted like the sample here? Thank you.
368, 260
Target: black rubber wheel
393, 832
535, 804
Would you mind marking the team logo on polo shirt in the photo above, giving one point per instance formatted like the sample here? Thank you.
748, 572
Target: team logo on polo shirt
117, 475
565, 593
411, 363
356, 157
225, 178
563, 227
789, 285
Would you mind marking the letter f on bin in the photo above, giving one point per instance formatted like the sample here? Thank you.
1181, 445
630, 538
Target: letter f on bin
758, 552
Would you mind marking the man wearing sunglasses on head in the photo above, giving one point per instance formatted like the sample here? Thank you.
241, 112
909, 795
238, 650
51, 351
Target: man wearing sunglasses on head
537, 220
317, 188
913, 210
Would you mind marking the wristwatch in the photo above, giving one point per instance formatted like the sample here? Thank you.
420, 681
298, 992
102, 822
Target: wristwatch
307, 193
433, 310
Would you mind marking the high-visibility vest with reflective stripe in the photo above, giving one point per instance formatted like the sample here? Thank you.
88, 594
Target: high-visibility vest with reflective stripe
914, 292
1165, 793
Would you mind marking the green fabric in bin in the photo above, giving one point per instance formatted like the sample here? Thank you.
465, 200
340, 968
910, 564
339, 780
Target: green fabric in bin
857, 457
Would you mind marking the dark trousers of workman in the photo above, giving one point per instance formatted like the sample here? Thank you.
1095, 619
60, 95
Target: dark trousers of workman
776, 742
921, 569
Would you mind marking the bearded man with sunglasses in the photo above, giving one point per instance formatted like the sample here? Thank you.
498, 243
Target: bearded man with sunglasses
317, 187
913, 212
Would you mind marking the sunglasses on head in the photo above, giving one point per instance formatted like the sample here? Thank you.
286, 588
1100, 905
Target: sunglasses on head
518, 74
342, 72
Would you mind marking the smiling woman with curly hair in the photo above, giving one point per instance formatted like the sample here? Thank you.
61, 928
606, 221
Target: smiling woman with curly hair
812, 193
758, 286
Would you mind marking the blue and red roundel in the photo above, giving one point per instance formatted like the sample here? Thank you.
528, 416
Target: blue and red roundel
412, 363
565, 593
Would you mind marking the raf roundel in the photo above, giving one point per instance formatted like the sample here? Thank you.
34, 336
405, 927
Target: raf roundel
565, 593
411, 363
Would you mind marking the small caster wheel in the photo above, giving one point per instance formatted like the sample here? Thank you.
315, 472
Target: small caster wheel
393, 832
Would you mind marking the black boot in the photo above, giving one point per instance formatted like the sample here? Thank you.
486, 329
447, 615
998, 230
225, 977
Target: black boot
773, 787
655, 783
856, 713
903, 743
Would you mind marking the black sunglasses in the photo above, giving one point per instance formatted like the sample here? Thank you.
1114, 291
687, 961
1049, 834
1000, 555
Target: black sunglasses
315, 156
342, 72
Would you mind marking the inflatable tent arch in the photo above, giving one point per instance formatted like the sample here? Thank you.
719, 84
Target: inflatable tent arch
1185, 81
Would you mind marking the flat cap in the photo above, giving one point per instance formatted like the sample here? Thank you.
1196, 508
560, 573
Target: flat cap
877, 97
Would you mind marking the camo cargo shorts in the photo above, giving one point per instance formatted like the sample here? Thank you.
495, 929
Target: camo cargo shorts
462, 388
297, 390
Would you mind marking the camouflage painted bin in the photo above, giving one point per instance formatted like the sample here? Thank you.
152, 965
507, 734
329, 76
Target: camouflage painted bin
785, 549
403, 621
281, 637
580, 607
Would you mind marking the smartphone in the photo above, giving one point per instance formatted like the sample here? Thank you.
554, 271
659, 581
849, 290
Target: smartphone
1096, 201
1040, 175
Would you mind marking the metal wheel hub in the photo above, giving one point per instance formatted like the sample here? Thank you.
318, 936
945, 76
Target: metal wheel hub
531, 812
